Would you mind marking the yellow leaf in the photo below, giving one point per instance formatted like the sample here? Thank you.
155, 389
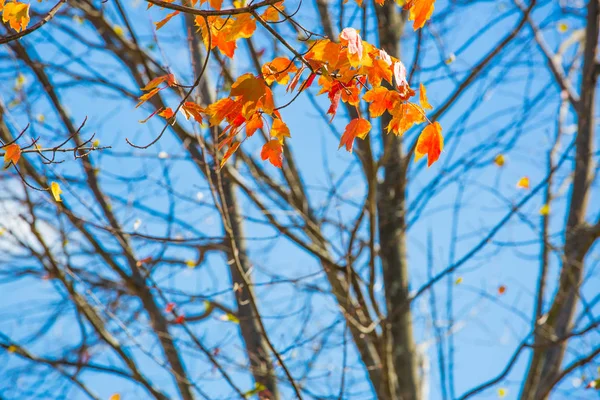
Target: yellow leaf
458, 280
2, 231
545, 210
231, 318
523, 183
451, 58
56, 191
96, 143
502, 393
17, 15
41, 118
12, 348
499, 160
423, 98
115, 396
190, 263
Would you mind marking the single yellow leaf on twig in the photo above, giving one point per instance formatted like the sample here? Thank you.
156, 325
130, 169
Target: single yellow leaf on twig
17, 15
545, 210
56, 191
523, 183
499, 160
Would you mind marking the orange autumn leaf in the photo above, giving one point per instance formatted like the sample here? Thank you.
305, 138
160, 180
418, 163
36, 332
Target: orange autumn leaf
430, 143
272, 13
12, 153
154, 83
278, 70
404, 117
423, 98
280, 130
381, 99
221, 109
357, 128
191, 109
17, 15
272, 150
115, 396
232, 149
216, 4
162, 23
501, 289
419, 11
167, 113
523, 183
253, 124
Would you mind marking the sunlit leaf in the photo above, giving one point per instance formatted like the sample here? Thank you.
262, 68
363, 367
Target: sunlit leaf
545, 209
499, 160
272, 150
430, 143
16, 14
12, 153
56, 191
423, 98
357, 128
523, 183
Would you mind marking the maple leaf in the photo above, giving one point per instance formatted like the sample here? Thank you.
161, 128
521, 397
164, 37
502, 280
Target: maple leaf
404, 117
253, 124
254, 94
179, 320
222, 109
191, 109
423, 98
400, 74
324, 51
12, 153
272, 14
115, 396
280, 130
154, 83
431, 142
167, 113
381, 99
349, 37
278, 70
230, 151
169, 307
17, 15
162, 23
56, 191
273, 150
545, 210
357, 128
501, 289
420, 11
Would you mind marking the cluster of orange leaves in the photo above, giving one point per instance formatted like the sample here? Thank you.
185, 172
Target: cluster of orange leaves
349, 71
16, 14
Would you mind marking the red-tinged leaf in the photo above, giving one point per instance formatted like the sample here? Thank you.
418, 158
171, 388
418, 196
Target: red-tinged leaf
179, 319
501, 289
169, 79
222, 109
253, 124
294, 82
12, 153
143, 261
169, 307
420, 11
273, 150
191, 109
423, 98
167, 113
430, 143
230, 151
16, 14
162, 23
145, 97
280, 130
309, 81
349, 37
357, 128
